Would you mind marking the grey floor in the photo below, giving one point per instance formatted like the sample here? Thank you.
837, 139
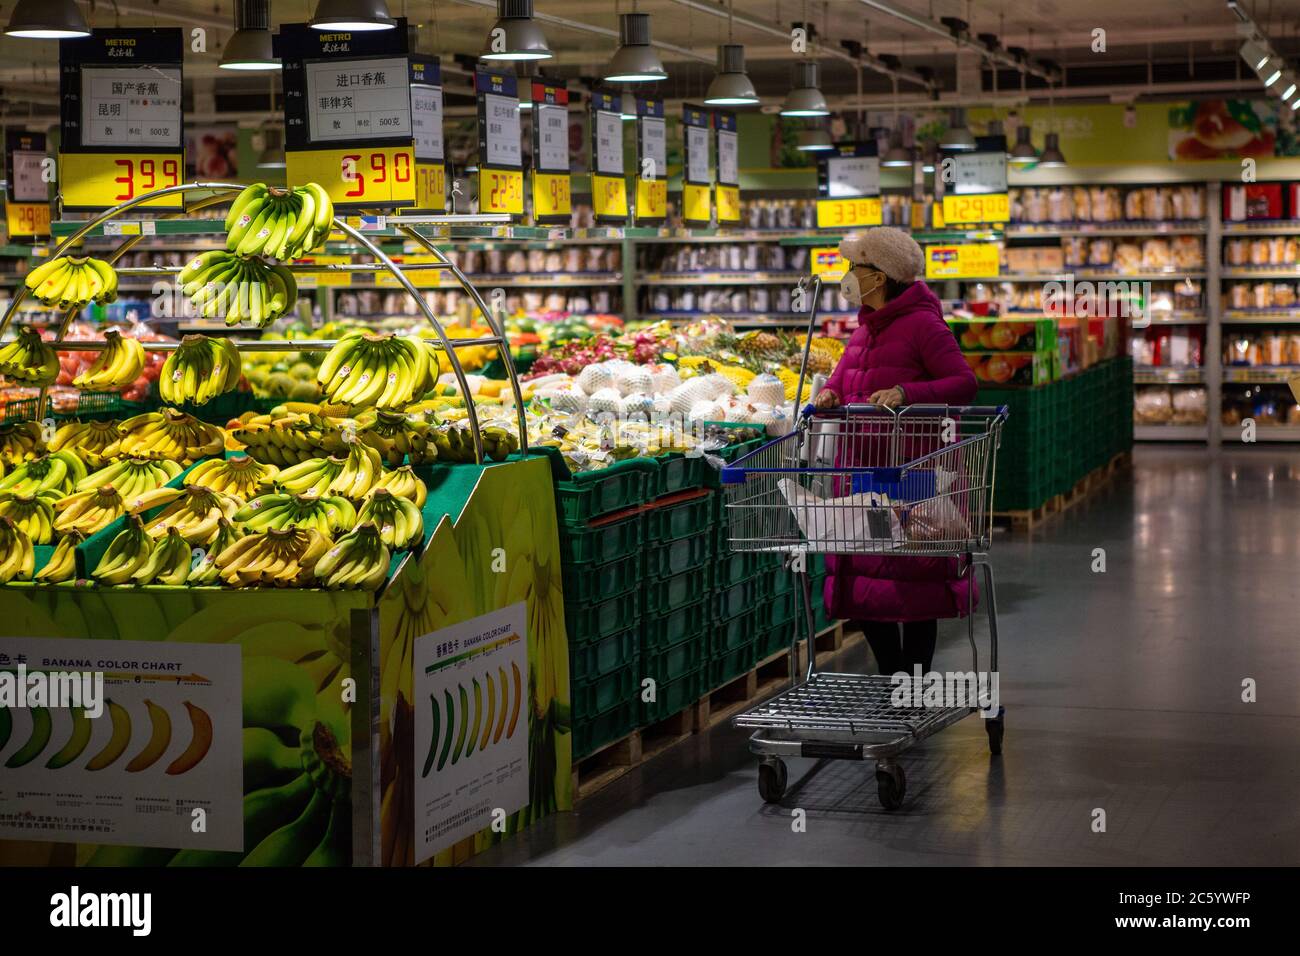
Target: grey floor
1123, 693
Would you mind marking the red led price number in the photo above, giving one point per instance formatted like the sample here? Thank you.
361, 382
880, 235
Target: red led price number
378, 165
144, 176
985, 207
836, 213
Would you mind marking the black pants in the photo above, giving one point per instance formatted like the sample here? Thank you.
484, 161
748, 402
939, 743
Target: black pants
894, 654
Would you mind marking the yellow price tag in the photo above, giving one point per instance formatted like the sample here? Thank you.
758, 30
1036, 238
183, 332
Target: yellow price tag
316, 280
728, 203
431, 186
501, 190
985, 207
826, 262
420, 278
845, 213
369, 177
102, 180
697, 203
552, 195
970, 260
27, 219
609, 196
651, 199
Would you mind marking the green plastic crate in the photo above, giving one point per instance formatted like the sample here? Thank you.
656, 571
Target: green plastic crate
727, 636
678, 661
734, 567
601, 542
592, 733
591, 661
675, 557
595, 622
663, 631
730, 665
661, 595
738, 598
668, 522
781, 609
676, 472
592, 698
594, 494
598, 582
674, 696
772, 642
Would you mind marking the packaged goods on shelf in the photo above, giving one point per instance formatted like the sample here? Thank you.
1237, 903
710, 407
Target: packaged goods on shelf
1244, 296
1013, 368
1169, 405
1261, 251
1268, 405
1063, 205
1256, 201
1168, 347
1004, 335
1267, 348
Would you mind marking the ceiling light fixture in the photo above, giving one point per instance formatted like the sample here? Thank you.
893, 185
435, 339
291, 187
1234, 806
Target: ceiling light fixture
1052, 155
272, 155
731, 85
635, 60
929, 157
1271, 71
359, 16
897, 154
1288, 86
1255, 54
250, 47
47, 20
1023, 153
805, 97
815, 140
515, 35
957, 135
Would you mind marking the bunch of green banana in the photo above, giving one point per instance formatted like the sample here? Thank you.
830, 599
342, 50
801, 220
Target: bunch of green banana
59, 471
87, 440
194, 512
394, 434
199, 369
34, 514
206, 571
127, 553
280, 223
278, 557
168, 434
17, 558
327, 514
89, 511
357, 560
400, 522
118, 365
238, 288
386, 371
241, 476
168, 563
131, 476
29, 360
62, 565
20, 441
71, 282
455, 443
403, 483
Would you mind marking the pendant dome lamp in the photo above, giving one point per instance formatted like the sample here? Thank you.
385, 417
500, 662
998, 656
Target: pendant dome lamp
47, 20
1023, 153
731, 85
250, 48
359, 16
515, 35
1052, 155
805, 97
957, 136
814, 140
635, 60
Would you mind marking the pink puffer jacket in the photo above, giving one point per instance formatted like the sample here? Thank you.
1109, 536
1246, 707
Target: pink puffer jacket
905, 343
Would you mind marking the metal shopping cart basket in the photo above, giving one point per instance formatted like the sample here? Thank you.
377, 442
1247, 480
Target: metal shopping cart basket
866, 480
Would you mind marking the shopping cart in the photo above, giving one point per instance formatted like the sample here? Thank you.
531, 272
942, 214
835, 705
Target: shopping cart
866, 480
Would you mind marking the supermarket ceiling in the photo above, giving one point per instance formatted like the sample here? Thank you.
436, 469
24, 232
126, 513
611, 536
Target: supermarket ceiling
1154, 49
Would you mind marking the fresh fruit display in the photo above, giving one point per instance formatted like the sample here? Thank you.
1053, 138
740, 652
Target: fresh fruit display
168, 434
17, 559
453, 442
290, 438
403, 483
72, 283
206, 572
384, 371
326, 514
237, 288
118, 365
32, 514
58, 471
89, 511
127, 553
359, 559
20, 441
393, 434
169, 562
200, 369
62, 565
29, 359
350, 475
193, 512
240, 476
278, 557
280, 223
400, 522
87, 440
131, 477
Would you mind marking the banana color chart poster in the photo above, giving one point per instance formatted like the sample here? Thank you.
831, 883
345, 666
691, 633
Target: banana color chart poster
473, 676
167, 740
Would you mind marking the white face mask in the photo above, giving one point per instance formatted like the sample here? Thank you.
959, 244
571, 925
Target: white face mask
852, 289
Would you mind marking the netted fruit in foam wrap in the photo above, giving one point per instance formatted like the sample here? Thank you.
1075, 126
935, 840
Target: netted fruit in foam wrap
595, 377
638, 403
663, 379
604, 400
766, 389
632, 380
687, 394
719, 385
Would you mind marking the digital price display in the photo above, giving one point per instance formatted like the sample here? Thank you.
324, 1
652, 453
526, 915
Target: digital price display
552, 192
426, 127
848, 186
652, 162
608, 177
697, 176
500, 151
27, 196
728, 187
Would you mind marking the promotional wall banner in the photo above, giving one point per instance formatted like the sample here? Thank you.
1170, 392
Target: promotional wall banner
426, 125
120, 127
608, 177
652, 162
848, 186
697, 169
347, 114
500, 150
27, 191
552, 195
728, 187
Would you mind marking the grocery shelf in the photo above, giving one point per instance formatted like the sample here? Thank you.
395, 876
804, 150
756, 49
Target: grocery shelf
1162, 276
1185, 227
1259, 374
1179, 318
1261, 316
1265, 433
745, 318
1269, 227
1260, 272
1148, 375
1171, 432
718, 278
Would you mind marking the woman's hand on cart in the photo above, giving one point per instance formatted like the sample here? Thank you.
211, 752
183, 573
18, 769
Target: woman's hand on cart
888, 397
826, 399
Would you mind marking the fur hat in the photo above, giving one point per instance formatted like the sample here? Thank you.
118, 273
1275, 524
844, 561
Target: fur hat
890, 250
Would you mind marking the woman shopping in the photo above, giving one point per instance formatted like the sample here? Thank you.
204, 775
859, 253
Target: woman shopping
902, 353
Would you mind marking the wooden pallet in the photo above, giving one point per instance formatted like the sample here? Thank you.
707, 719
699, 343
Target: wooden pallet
601, 768
1025, 519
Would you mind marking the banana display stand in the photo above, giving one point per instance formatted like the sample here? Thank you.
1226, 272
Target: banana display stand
414, 725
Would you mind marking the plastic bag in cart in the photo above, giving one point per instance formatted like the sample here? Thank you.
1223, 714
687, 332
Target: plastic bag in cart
845, 523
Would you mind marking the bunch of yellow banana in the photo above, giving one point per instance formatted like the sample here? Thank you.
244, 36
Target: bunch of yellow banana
400, 522
403, 483
118, 365
89, 511
72, 282
29, 360
279, 557
290, 439
394, 434
238, 288
280, 223
132, 477
240, 476
127, 553
386, 371
454, 442
350, 475
62, 565
199, 369
193, 511
34, 514
20, 441
168, 434
357, 560
206, 571
59, 471
17, 557
328, 514
168, 563
87, 440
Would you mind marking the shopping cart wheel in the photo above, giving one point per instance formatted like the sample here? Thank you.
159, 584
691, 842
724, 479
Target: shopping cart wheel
771, 780
891, 785
996, 726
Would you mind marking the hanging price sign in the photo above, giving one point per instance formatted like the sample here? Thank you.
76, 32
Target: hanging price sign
728, 188
608, 177
697, 176
825, 261
27, 195
968, 260
120, 128
500, 152
426, 126
848, 186
348, 115
972, 209
652, 162
552, 194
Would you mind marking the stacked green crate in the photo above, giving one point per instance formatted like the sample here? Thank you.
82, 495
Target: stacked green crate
1027, 456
